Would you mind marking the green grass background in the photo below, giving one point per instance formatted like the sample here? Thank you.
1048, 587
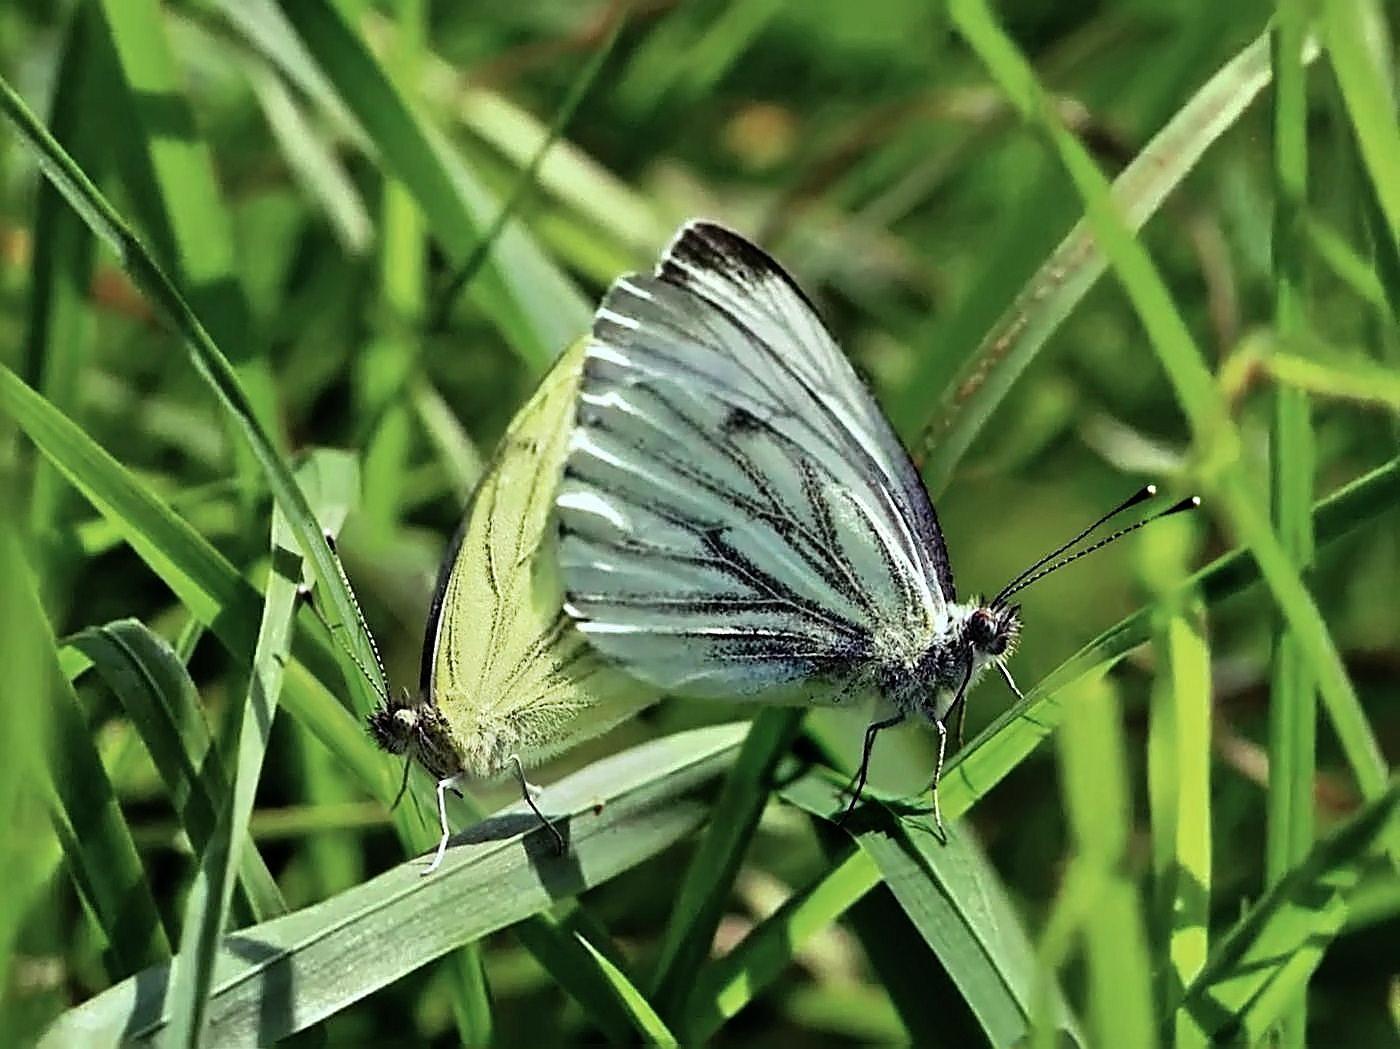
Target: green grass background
269, 269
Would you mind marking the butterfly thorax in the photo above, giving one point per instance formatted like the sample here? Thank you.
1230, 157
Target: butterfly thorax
924, 679
412, 725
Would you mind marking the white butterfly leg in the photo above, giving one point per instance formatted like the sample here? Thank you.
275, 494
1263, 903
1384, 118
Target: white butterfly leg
442, 787
533, 790
938, 774
530, 792
1006, 676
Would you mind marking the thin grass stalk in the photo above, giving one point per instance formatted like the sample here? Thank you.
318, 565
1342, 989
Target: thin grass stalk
1293, 700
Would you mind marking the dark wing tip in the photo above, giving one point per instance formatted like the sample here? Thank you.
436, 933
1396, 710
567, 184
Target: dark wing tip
702, 244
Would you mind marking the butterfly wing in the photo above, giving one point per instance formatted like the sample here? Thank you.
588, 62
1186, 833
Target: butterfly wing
736, 514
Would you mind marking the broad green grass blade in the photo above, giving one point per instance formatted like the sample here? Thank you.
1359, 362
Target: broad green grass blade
290, 973
534, 304
1094, 780
1368, 103
950, 425
342, 612
1179, 796
708, 880
158, 696
1292, 462
1220, 465
175, 171
98, 851
725, 986
1258, 970
650, 1026
207, 906
955, 900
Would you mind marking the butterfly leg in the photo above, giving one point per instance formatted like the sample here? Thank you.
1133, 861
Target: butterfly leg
1010, 683
937, 775
443, 786
530, 792
857, 784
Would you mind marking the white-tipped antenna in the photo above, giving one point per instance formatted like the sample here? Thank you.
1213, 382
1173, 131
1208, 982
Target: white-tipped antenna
1189, 503
1141, 495
379, 684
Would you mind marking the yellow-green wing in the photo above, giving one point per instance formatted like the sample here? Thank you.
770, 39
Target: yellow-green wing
503, 663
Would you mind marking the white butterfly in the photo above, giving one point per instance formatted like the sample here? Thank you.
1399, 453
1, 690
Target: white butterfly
738, 519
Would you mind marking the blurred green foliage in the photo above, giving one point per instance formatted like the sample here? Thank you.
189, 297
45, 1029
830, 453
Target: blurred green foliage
323, 183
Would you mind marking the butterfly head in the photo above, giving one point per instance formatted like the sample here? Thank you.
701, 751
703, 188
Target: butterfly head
992, 630
409, 724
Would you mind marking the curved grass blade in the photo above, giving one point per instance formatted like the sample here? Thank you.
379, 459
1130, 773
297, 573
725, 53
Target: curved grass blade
954, 898
201, 577
100, 856
950, 425
158, 696
639, 1010
1258, 970
534, 304
288, 974
342, 612
1218, 444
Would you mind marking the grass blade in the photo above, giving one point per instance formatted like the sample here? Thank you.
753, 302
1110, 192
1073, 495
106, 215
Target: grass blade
1257, 971
533, 303
1179, 795
173, 170
1095, 785
954, 899
23, 744
949, 426
59, 334
1367, 102
206, 908
290, 973
1292, 697
710, 877
97, 846
650, 1026
342, 612
158, 696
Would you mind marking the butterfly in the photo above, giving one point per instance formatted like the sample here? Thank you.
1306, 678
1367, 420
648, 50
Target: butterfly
738, 519
506, 681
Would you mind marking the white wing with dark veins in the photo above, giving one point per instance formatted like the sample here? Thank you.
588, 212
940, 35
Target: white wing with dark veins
736, 513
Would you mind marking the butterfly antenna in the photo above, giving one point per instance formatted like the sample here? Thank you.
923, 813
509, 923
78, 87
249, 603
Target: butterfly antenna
1190, 503
337, 631
1141, 495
